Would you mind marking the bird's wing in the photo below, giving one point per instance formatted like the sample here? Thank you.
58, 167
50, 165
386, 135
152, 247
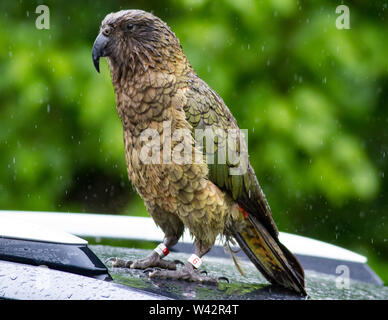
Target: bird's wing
203, 109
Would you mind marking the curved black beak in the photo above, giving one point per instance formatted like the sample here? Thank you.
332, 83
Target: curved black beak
99, 50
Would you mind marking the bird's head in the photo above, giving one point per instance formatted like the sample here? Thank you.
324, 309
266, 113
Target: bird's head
135, 40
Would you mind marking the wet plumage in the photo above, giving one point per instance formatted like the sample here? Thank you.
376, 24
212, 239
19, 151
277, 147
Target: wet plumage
154, 83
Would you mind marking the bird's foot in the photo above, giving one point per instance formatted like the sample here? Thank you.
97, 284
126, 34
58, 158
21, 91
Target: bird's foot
152, 261
187, 273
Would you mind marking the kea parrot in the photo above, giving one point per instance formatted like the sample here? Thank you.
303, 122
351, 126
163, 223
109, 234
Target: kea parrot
156, 91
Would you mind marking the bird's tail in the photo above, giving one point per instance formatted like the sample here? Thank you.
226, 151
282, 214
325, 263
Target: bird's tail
274, 260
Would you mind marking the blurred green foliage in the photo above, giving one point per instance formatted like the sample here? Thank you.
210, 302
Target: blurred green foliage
313, 97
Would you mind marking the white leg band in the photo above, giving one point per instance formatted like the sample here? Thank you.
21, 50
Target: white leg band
195, 261
162, 250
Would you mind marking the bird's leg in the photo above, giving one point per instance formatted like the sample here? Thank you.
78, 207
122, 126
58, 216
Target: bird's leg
154, 259
190, 270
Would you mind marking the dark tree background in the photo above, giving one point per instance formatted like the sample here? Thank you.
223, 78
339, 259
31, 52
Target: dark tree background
313, 97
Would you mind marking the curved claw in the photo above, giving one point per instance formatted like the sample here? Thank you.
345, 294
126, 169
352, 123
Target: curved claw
111, 259
148, 270
118, 263
223, 278
179, 262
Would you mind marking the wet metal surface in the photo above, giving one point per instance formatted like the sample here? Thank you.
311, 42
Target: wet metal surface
26, 282
253, 286
20, 281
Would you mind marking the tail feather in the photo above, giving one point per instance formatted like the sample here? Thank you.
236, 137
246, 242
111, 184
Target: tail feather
274, 260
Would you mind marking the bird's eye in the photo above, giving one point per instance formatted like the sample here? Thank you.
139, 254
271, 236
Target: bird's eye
130, 27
